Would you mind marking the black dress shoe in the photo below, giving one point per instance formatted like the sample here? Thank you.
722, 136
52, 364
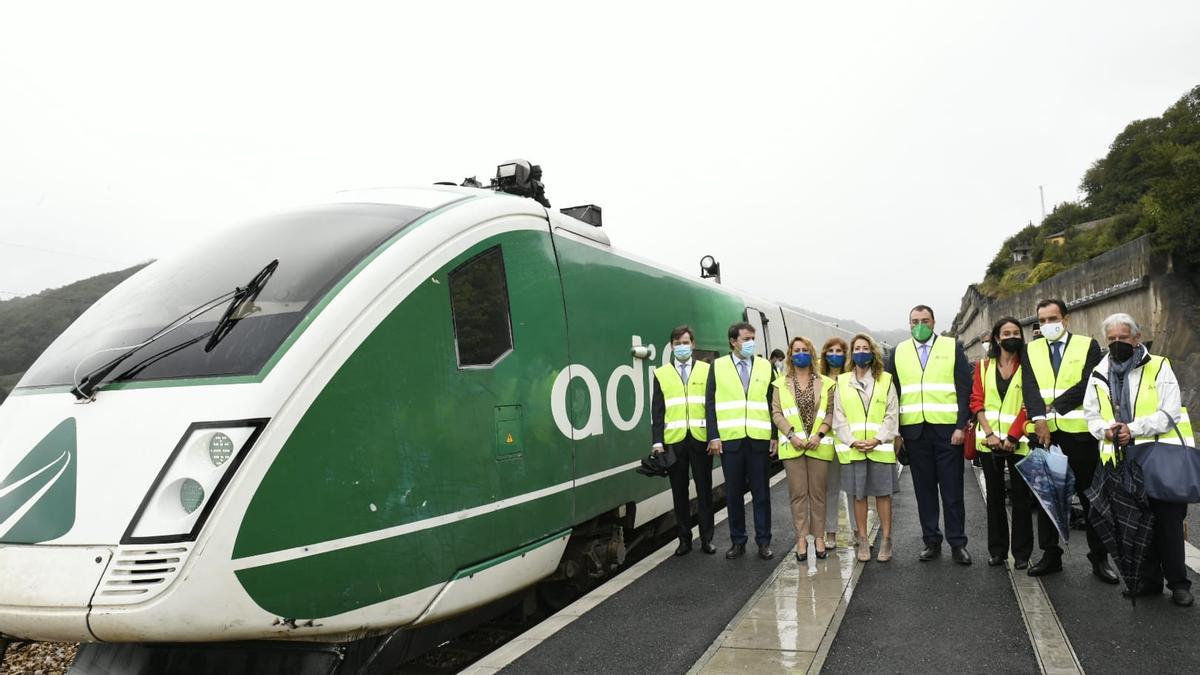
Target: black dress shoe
996, 560
1104, 572
1049, 564
1020, 564
1181, 597
929, 553
802, 557
961, 555
684, 548
821, 555
765, 552
735, 551
707, 547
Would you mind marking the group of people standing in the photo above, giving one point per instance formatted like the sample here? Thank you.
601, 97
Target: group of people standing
1063, 390
839, 420
831, 417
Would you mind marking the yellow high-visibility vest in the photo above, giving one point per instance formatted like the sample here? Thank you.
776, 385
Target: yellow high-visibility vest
1145, 404
1070, 373
1000, 414
742, 412
865, 422
787, 401
684, 411
927, 394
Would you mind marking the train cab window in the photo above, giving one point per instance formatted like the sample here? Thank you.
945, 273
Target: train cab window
479, 307
316, 248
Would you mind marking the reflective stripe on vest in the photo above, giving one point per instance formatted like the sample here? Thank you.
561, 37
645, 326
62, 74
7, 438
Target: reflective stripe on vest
742, 413
684, 405
1000, 414
864, 423
1070, 373
787, 401
927, 394
1144, 405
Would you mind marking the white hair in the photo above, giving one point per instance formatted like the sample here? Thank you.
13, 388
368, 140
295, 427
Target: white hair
1120, 318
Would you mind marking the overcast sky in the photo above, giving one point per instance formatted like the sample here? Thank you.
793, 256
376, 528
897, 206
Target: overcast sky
851, 158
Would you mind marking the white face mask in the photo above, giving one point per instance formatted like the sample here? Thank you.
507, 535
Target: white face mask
1053, 331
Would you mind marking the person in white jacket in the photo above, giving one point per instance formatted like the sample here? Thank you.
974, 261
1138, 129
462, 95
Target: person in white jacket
1122, 409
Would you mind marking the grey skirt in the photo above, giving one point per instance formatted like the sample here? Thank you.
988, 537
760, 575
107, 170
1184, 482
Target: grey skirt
864, 478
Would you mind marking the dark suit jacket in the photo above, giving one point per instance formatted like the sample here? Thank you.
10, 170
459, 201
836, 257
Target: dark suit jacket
963, 383
710, 406
1068, 400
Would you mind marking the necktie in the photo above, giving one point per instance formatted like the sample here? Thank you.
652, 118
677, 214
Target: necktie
744, 372
924, 354
1056, 356
683, 373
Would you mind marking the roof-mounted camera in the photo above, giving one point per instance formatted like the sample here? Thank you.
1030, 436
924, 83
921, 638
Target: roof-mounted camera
519, 177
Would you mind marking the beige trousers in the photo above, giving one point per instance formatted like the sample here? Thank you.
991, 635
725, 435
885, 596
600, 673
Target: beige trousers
806, 486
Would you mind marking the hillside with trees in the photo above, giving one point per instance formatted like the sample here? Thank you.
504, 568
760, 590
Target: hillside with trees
29, 324
1147, 184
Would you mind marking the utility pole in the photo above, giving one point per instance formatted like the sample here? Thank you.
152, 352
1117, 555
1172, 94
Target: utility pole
1042, 194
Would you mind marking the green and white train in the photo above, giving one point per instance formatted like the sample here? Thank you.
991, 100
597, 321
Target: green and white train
435, 399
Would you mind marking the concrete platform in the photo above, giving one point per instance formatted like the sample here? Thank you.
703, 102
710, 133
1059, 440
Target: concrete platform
704, 614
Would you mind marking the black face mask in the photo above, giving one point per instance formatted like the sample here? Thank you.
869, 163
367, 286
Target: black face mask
1120, 351
1012, 345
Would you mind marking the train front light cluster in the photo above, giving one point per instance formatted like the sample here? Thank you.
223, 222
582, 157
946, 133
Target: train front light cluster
192, 480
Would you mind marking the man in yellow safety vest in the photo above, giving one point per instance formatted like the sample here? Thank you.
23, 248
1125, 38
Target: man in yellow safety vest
1132, 397
933, 379
738, 421
677, 422
1057, 367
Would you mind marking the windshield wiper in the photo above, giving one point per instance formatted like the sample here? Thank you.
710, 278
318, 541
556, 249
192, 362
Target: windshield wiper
85, 388
242, 297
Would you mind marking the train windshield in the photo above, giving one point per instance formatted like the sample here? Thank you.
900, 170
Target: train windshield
316, 248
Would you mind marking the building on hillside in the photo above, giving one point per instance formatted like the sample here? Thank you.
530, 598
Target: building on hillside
1058, 238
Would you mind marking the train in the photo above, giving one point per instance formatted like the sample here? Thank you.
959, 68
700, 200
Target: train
350, 419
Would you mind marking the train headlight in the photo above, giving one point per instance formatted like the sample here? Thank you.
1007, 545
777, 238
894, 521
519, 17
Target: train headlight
191, 495
191, 482
220, 448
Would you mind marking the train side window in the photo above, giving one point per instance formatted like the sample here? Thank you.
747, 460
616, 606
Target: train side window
479, 307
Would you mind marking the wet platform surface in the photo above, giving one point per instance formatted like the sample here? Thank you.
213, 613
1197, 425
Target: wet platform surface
705, 614
666, 619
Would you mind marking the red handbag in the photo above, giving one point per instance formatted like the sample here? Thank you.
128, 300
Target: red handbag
969, 451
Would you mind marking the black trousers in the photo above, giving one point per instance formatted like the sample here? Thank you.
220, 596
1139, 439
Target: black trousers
694, 454
1083, 456
747, 461
1024, 505
937, 469
1164, 559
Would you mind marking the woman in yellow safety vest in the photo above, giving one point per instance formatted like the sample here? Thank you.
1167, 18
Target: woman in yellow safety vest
999, 408
835, 358
1133, 397
799, 408
866, 417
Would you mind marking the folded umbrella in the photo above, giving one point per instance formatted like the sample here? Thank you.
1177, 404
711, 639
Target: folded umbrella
1052, 482
1120, 514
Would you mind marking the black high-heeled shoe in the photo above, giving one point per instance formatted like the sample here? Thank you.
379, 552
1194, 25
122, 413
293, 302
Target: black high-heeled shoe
821, 555
802, 557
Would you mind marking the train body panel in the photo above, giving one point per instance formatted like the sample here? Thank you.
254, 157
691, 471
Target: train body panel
407, 453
